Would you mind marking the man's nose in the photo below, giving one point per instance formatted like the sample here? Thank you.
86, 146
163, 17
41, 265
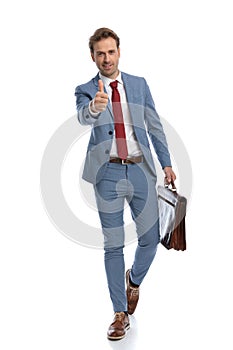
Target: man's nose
107, 57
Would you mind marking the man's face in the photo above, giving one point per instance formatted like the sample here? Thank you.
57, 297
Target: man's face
106, 57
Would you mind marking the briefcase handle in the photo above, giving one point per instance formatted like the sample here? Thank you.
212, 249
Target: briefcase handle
171, 186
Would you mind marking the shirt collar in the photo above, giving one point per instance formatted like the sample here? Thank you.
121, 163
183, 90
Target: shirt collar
107, 80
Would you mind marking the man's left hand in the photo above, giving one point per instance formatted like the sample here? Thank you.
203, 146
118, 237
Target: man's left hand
170, 176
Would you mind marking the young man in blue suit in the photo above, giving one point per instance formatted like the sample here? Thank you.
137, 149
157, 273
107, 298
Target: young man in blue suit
119, 164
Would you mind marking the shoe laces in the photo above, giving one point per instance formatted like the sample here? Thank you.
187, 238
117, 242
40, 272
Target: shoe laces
134, 291
119, 316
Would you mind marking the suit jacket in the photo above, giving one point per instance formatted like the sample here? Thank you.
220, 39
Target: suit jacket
144, 118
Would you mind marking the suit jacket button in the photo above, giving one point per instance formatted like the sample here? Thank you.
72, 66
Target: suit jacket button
107, 151
110, 132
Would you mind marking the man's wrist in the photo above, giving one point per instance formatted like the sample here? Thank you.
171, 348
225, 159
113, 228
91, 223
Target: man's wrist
92, 109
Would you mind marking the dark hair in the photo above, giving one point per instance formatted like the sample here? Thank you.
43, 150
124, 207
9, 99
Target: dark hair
103, 33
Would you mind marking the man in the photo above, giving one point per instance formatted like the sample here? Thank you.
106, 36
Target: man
119, 164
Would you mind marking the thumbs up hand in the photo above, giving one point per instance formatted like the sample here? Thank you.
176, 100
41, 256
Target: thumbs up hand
101, 85
99, 103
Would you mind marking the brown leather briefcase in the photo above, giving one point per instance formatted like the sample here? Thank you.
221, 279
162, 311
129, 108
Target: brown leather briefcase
172, 212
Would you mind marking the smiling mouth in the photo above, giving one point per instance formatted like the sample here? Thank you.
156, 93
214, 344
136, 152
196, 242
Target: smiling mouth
107, 66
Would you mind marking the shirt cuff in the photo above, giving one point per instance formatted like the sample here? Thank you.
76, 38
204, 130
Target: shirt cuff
92, 109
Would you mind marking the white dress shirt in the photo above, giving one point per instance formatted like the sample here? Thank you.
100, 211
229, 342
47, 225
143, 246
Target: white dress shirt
132, 144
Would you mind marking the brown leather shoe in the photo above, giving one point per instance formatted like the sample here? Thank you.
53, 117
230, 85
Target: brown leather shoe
118, 328
132, 295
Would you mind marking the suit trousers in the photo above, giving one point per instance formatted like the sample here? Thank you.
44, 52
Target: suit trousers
132, 184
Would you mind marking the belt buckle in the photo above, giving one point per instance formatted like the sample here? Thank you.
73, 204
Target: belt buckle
123, 161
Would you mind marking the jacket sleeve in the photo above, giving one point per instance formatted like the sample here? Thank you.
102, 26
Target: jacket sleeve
155, 130
83, 99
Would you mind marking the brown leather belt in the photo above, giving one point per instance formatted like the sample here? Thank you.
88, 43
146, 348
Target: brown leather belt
132, 160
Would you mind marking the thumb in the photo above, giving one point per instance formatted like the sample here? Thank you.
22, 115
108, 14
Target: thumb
100, 85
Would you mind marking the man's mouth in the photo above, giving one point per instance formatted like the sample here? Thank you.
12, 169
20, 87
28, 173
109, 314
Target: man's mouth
107, 66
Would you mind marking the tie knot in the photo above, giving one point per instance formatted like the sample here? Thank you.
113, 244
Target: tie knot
114, 84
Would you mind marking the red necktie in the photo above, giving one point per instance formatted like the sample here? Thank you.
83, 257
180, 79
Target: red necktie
118, 122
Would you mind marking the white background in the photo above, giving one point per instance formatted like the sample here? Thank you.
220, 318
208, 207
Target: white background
53, 291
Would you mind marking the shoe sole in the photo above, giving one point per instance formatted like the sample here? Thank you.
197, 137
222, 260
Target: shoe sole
127, 281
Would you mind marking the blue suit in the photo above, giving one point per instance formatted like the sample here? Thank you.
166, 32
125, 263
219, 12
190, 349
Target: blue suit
115, 182
143, 114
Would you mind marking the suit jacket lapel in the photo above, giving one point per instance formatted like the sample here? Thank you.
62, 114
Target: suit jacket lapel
130, 96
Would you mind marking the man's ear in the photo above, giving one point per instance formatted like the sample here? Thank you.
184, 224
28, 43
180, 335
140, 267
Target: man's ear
92, 56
